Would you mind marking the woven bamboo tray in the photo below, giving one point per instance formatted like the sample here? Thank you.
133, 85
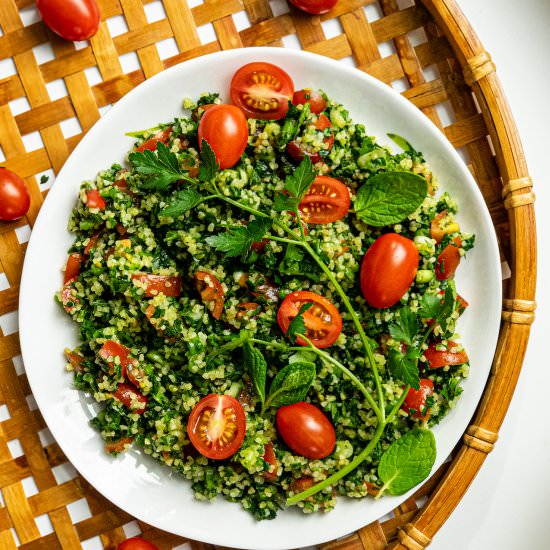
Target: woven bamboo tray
428, 51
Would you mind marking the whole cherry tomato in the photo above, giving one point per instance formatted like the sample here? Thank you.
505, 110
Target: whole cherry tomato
136, 543
416, 399
70, 19
448, 260
225, 129
315, 7
441, 358
217, 426
262, 90
326, 201
15, 198
306, 430
388, 270
317, 103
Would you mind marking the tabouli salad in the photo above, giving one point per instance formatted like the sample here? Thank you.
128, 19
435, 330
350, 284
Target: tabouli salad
266, 300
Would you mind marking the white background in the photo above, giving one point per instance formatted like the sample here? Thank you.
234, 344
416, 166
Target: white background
507, 506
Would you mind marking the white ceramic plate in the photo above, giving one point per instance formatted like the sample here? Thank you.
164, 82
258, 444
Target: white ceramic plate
135, 482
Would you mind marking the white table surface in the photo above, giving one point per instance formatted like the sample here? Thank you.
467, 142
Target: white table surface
506, 508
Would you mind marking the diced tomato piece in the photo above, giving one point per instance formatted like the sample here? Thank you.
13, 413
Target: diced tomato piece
301, 484
95, 200
448, 260
441, 358
72, 269
246, 308
75, 360
271, 459
118, 446
151, 144
131, 397
110, 350
91, 243
211, 292
437, 232
416, 399
159, 284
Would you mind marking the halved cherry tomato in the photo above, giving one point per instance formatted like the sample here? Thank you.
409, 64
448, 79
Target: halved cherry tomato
326, 201
271, 459
72, 269
95, 200
416, 399
217, 426
262, 90
151, 144
306, 430
314, 7
441, 358
118, 446
136, 543
131, 397
75, 360
388, 270
323, 321
317, 103
437, 232
225, 129
297, 150
71, 19
211, 292
448, 260
15, 198
159, 284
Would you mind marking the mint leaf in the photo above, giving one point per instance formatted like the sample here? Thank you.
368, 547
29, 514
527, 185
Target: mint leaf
405, 327
297, 325
209, 166
161, 169
404, 366
183, 201
299, 182
291, 384
402, 142
256, 365
238, 240
407, 461
389, 197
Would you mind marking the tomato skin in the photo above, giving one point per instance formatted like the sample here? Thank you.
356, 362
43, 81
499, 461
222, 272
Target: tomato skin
271, 459
315, 7
71, 19
136, 543
159, 284
448, 260
416, 399
388, 270
95, 200
317, 102
323, 321
326, 201
225, 129
151, 144
126, 393
72, 269
306, 430
297, 151
442, 358
437, 232
15, 198
262, 90
211, 292
217, 426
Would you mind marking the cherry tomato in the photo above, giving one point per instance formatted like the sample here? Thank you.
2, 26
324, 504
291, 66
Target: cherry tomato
317, 102
70, 19
448, 260
262, 90
118, 446
297, 150
441, 358
437, 232
136, 543
323, 321
326, 201
151, 144
15, 198
416, 399
211, 292
72, 269
388, 270
315, 7
131, 397
159, 284
95, 200
271, 459
306, 430
217, 426
225, 129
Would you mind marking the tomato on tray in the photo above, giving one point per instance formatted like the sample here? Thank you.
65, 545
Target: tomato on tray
15, 198
315, 7
136, 543
306, 430
262, 90
416, 399
70, 19
169, 285
316, 101
323, 321
161, 136
441, 358
217, 426
298, 150
326, 201
225, 129
448, 260
388, 270
211, 292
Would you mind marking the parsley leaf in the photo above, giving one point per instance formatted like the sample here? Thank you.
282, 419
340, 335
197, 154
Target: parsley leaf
404, 366
405, 327
238, 240
430, 306
161, 169
297, 185
438, 308
298, 325
209, 165
183, 201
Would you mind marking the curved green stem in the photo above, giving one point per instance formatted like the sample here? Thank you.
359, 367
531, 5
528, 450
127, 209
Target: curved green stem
398, 404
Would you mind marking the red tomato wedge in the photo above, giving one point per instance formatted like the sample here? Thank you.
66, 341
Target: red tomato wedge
297, 150
158, 284
416, 399
95, 200
131, 397
71, 19
448, 260
211, 292
72, 269
323, 321
248, 310
217, 426
15, 198
316, 101
388, 270
326, 201
442, 358
151, 144
271, 459
110, 350
262, 90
